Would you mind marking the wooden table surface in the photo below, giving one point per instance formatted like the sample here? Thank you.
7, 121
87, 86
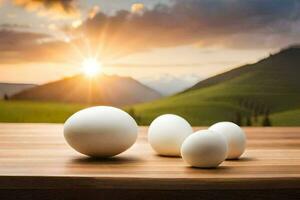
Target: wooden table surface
36, 156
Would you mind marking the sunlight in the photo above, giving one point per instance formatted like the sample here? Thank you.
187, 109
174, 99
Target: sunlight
91, 67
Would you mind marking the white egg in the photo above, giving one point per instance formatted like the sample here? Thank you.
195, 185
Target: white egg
166, 134
204, 149
100, 131
235, 137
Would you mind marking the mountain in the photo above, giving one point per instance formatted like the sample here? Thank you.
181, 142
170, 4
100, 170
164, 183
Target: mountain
103, 90
167, 84
264, 92
9, 89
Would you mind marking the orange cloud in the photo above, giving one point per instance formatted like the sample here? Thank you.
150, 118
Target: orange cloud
52, 27
190, 22
137, 8
52, 8
234, 24
28, 47
93, 11
76, 23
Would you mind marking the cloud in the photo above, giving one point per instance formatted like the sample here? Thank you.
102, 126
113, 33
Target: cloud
93, 11
14, 26
77, 23
137, 8
53, 8
9, 39
52, 27
230, 23
22, 47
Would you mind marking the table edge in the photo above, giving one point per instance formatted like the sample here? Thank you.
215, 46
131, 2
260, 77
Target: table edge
81, 182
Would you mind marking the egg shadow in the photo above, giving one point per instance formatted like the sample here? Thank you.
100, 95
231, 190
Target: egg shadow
165, 156
215, 169
112, 160
242, 159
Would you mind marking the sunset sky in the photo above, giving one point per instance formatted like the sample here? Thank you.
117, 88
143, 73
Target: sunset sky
150, 40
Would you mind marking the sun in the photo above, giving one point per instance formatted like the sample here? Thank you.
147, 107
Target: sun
91, 67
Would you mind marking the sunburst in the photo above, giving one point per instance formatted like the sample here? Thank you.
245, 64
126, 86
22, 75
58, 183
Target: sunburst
91, 67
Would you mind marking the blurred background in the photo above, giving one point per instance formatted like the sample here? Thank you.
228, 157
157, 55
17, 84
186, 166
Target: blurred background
206, 60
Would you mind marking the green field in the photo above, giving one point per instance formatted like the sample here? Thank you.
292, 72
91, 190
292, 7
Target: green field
40, 112
25, 111
287, 118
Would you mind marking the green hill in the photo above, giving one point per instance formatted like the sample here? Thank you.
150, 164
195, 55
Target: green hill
268, 89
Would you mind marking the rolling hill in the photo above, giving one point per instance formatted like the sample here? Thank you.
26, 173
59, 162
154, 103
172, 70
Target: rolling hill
10, 89
101, 90
249, 95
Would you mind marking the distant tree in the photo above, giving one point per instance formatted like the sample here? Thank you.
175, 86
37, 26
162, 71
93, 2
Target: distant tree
248, 121
238, 118
132, 113
6, 97
266, 120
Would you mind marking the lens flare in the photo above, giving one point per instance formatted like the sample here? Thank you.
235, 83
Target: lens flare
91, 67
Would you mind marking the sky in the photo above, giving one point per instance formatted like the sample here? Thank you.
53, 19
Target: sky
159, 42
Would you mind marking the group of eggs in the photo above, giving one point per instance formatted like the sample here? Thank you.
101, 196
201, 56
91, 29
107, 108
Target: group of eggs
105, 131
171, 135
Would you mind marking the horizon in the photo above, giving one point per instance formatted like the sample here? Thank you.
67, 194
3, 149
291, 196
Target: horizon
81, 73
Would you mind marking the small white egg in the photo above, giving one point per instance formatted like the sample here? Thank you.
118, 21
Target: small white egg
204, 149
166, 134
235, 137
100, 131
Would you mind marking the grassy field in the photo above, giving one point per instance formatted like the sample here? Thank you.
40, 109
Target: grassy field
199, 114
287, 118
205, 112
25, 111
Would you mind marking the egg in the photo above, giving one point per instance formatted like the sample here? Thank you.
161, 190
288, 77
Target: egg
204, 149
235, 137
166, 134
100, 131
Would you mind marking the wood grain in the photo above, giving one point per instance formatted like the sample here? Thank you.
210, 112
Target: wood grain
35, 156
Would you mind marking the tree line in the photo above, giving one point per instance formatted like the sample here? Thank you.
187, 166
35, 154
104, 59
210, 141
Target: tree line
259, 114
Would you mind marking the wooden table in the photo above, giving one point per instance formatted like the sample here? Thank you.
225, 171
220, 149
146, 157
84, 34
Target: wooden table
35, 162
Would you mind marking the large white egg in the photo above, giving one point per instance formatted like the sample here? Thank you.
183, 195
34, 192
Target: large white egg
235, 137
204, 149
166, 134
100, 131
